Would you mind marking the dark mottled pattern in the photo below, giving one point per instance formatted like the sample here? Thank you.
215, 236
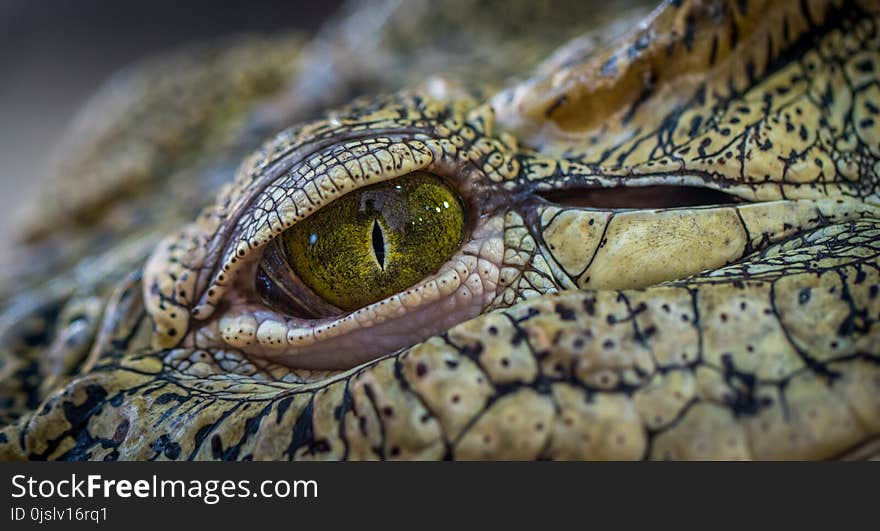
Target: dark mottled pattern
745, 327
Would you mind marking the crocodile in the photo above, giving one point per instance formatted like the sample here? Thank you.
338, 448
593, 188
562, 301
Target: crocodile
465, 230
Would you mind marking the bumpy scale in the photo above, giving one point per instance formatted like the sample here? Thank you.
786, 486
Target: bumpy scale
672, 249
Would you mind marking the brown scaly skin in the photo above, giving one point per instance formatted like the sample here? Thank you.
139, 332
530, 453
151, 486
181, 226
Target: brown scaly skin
742, 330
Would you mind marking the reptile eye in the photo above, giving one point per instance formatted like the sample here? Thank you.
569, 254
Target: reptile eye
365, 246
332, 257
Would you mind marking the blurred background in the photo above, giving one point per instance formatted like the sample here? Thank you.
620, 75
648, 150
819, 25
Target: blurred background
54, 55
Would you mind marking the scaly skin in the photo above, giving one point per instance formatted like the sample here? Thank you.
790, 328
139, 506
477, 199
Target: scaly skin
746, 329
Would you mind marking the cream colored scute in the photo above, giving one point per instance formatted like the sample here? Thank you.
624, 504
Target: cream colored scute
642, 248
581, 227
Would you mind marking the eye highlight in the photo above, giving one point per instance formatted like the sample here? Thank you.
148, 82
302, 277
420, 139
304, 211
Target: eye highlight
365, 246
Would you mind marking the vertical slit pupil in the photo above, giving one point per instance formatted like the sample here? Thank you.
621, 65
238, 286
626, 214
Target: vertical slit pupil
378, 244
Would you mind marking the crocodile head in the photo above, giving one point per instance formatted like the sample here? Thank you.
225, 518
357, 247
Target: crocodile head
600, 234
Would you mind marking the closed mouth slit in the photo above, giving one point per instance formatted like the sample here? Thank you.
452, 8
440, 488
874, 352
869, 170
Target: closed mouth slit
642, 197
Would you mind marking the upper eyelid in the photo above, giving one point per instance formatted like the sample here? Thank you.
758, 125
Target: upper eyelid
259, 172
297, 193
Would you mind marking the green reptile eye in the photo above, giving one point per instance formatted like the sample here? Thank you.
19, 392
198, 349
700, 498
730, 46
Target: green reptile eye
368, 244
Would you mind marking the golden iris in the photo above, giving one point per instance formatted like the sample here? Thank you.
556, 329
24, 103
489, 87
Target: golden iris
376, 241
